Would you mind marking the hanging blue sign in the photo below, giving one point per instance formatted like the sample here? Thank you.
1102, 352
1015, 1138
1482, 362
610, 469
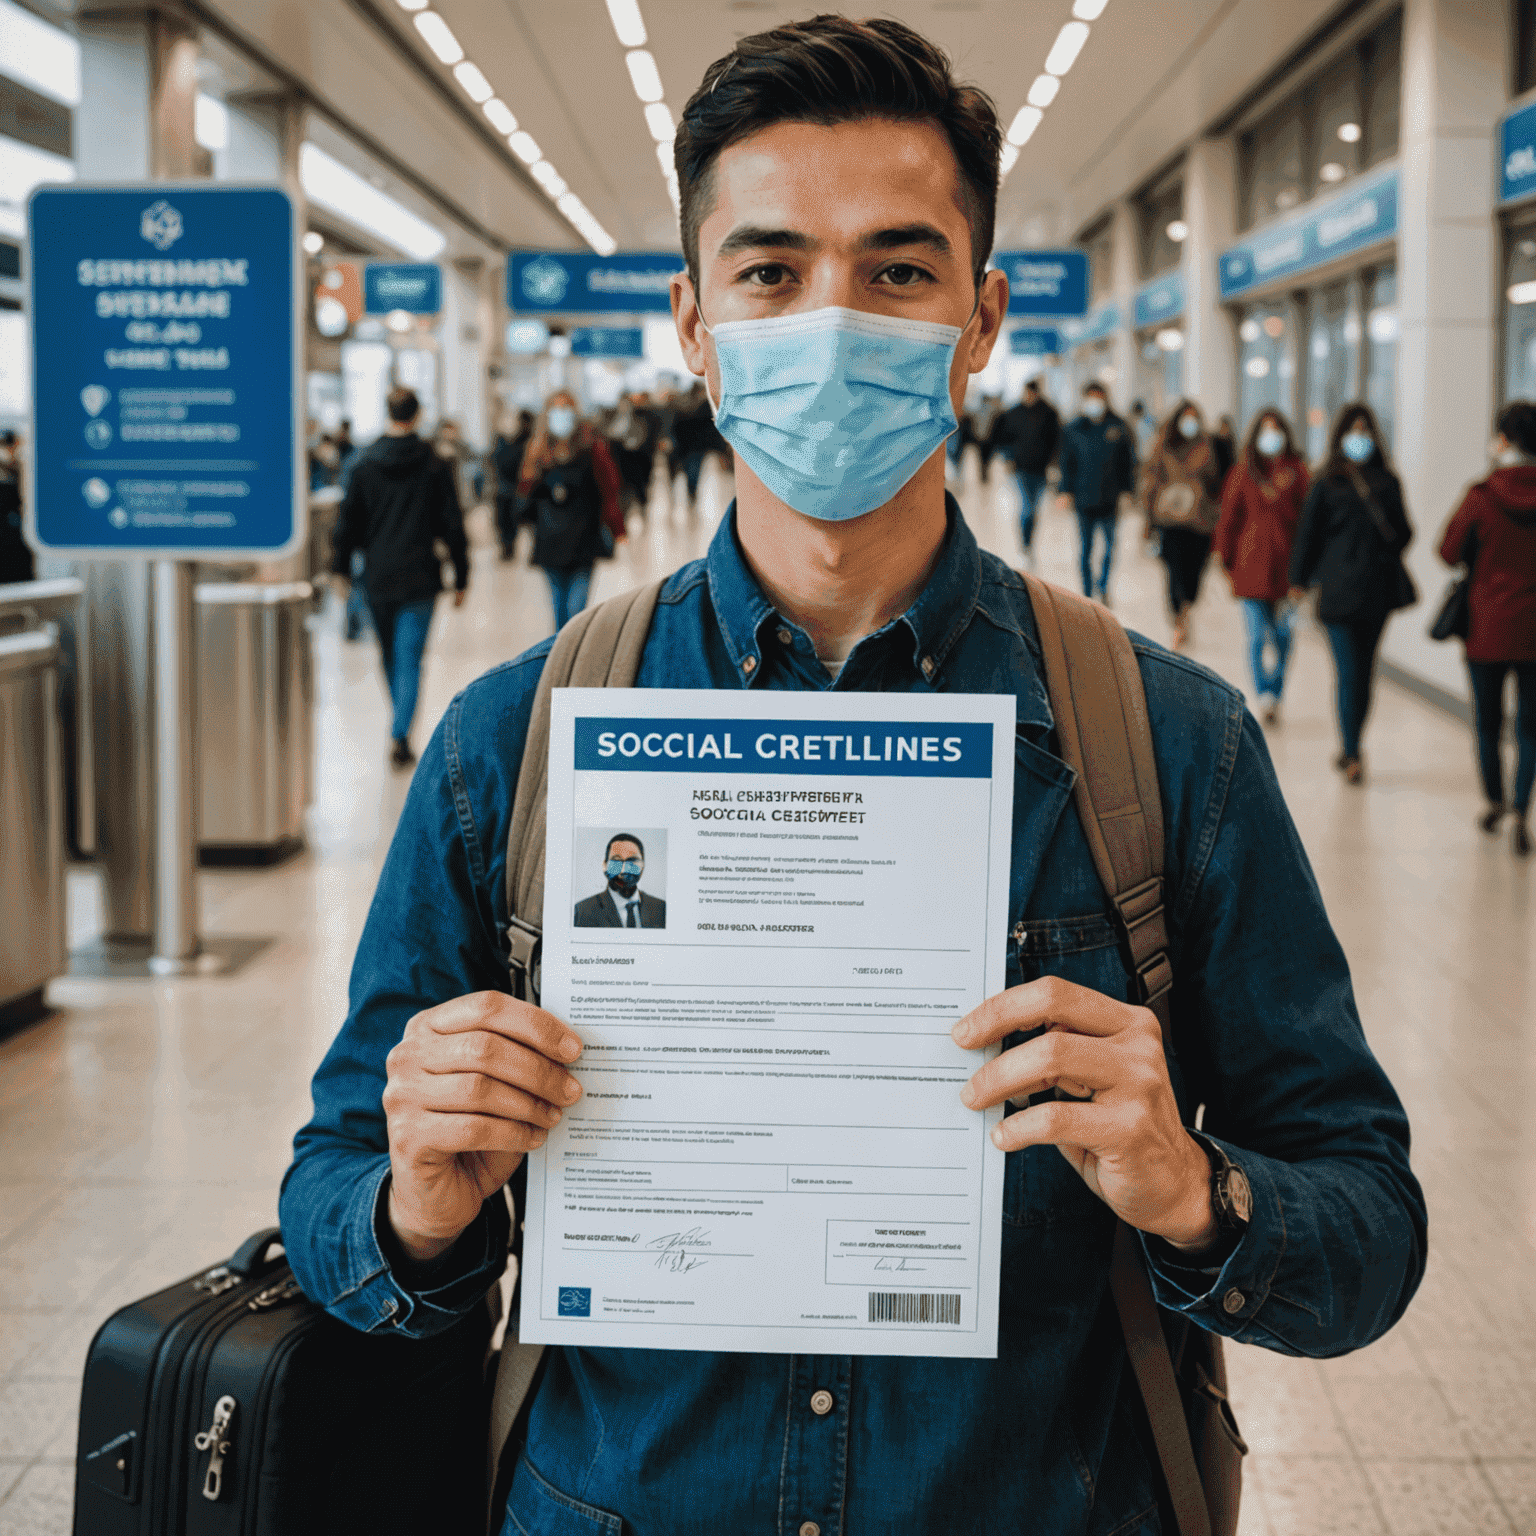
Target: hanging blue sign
165, 372
1517, 154
580, 283
1034, 341
1099, 322
1045, 282
1159, 301
1365, 214
607, 341
414, 286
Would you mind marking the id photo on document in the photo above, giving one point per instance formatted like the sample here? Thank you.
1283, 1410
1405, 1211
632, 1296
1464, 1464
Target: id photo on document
628, 875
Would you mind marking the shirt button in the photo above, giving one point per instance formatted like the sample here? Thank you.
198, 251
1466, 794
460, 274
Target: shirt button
821, 1402
928, 667
749, 665
785, 637
810, 1528
1232, 1303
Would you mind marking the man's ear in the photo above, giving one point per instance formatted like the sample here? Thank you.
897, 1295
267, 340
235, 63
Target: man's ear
689, 322
991, 308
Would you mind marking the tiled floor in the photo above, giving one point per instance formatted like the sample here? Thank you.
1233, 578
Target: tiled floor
144, 1127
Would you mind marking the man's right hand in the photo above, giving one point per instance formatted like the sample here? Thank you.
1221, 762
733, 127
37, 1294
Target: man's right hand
473, 1084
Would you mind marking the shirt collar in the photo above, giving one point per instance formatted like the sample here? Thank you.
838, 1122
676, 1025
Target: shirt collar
936, 620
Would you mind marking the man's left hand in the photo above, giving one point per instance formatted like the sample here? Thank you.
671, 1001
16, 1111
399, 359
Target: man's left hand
1126, 1139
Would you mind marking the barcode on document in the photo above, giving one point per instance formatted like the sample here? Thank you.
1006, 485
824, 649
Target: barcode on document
913, 1307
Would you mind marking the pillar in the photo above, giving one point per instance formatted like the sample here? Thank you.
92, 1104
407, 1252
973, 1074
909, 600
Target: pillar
1210, 209
1126, 267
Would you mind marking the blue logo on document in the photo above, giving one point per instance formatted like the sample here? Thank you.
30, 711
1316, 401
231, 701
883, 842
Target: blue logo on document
575, 1301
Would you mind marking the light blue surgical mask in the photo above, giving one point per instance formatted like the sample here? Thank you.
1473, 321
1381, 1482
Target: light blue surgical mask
1093, 408
1358, 446
1189, 426
1270, 441
623, 870
834, 410
562, 421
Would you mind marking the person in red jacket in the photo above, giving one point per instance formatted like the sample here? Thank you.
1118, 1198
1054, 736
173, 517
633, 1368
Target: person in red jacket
1494, 532
1260, 507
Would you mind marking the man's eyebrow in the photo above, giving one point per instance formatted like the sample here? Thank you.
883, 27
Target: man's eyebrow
907, 234
753, 237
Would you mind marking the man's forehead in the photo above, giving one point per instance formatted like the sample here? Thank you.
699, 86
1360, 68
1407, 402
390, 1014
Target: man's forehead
621, 845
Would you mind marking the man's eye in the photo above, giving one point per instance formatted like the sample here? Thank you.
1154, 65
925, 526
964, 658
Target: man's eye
770, 275
903, 275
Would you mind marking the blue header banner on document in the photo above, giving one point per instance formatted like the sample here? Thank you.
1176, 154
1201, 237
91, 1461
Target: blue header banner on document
958, 750
1034, 341
414, 286
1517, 154
579, 282
1160, 301
1094, 326
165, 326
1363, 215
607, 341
1045, 282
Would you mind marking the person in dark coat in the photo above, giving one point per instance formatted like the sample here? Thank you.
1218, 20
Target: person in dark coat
1098, 467
1494, 532
621, 903
1260, 508
1028, 436
401, 499
507, 460
1349, 545
16, 562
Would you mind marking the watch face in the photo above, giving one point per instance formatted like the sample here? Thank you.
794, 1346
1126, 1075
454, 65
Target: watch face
1238, 1196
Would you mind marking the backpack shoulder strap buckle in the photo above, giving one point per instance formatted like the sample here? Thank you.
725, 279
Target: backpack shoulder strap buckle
525, 945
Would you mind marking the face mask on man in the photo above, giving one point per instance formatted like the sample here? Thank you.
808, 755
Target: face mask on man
1270, 442
1505, 455
624, 875
834, 410
1093, 408
562, 421
1189, 426
1358, 446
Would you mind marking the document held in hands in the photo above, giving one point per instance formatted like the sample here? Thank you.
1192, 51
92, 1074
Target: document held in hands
763, 912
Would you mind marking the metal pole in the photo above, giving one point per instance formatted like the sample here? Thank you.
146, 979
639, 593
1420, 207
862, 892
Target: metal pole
176, 943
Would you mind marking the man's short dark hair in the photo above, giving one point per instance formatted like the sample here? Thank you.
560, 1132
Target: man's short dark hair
623, 837
1517, 422
829, 70
402, 405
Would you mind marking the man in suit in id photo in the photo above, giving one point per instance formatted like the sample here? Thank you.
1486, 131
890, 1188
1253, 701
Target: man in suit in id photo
622, 904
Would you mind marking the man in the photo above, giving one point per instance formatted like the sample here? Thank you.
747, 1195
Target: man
401, 499
16, 562
1143, 428
622, 904
1029, 434
1098, 467
826, 166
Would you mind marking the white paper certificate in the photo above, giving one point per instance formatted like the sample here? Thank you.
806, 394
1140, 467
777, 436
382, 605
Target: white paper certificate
763, 912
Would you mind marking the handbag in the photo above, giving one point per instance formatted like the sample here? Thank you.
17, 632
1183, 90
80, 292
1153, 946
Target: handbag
1403, 593
1453, 619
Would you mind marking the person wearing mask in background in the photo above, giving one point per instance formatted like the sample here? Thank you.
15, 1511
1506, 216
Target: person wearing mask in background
16, 562
401, 499
984, 430
1494, 532
507, 460
1098, 467
448, 443
632, 434
695, 438
1260, 508
1353, 531
1181, 486
1028, 436
570, 487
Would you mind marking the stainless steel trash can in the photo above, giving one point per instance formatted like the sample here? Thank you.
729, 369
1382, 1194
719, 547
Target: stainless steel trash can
255, 716
32, 935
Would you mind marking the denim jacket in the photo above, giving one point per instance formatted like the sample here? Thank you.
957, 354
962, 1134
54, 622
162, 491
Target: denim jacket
1049, 1436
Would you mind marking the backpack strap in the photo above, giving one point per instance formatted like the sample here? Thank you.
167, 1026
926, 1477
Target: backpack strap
1104, 735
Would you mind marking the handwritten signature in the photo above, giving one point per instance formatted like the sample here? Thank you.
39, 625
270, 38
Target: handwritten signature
675, 1251
901, 1266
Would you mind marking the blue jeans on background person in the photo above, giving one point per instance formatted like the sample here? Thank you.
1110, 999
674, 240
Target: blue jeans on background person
1354, 645
402, 631
1488, 706
356, 619
1031, 493
1268, 623
693, 466
569, 591
1089, 521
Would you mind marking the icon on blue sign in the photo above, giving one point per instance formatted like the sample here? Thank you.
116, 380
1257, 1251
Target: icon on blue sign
161, 225
98, 434
95, 399
544, 281
97, 492
575, 1301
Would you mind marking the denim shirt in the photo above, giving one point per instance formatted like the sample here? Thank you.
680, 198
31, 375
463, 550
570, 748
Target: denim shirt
1049, 1436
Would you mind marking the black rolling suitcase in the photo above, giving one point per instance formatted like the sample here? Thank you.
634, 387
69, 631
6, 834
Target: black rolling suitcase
230, 1405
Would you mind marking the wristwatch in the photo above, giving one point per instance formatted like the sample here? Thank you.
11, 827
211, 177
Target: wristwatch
1231, 1196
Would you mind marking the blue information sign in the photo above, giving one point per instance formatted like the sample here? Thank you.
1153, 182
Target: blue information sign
1363, 215
1517, 154
580, 283
1034, 341
607, 341
1159, 301
1045, 282
165, 356
1102, 321
414, 286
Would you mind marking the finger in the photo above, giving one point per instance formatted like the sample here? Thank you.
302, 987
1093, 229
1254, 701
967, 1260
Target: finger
507, 1061
1050, 1000
1057, 1123
1057, 1059
505, 1015
455, 1133
474, 1093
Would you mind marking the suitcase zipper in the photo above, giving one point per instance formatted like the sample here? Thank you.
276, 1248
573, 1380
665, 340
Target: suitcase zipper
275, 1295
213, 1440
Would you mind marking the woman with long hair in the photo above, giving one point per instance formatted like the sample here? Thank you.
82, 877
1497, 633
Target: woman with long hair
570, 489
1493, 532
1353, 532
1260, 508
1181, 485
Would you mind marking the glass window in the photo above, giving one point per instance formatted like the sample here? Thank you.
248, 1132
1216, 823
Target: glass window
1100, 244
1159, 369
1336, 128
1274, 165
1520, 315
1382, 53
1381, 347
1525, 45
1263, 353
1333, 344
1161, 228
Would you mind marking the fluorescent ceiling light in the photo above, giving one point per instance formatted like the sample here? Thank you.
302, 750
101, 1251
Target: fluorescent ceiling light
1043, 92
475, 85
1332, 171
644, 75
1349, 132
500, 115
525, 147
314, 242
1025, 122
658, 118
664, 155
1521, 293
1064, 51
413, 5
1007, 159
1089, 10
210, 122
332, 185
1177, 230
625, 15
440, 39
39, 55
548, 177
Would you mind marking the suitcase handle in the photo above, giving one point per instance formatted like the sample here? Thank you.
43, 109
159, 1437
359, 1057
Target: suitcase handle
255, 1254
